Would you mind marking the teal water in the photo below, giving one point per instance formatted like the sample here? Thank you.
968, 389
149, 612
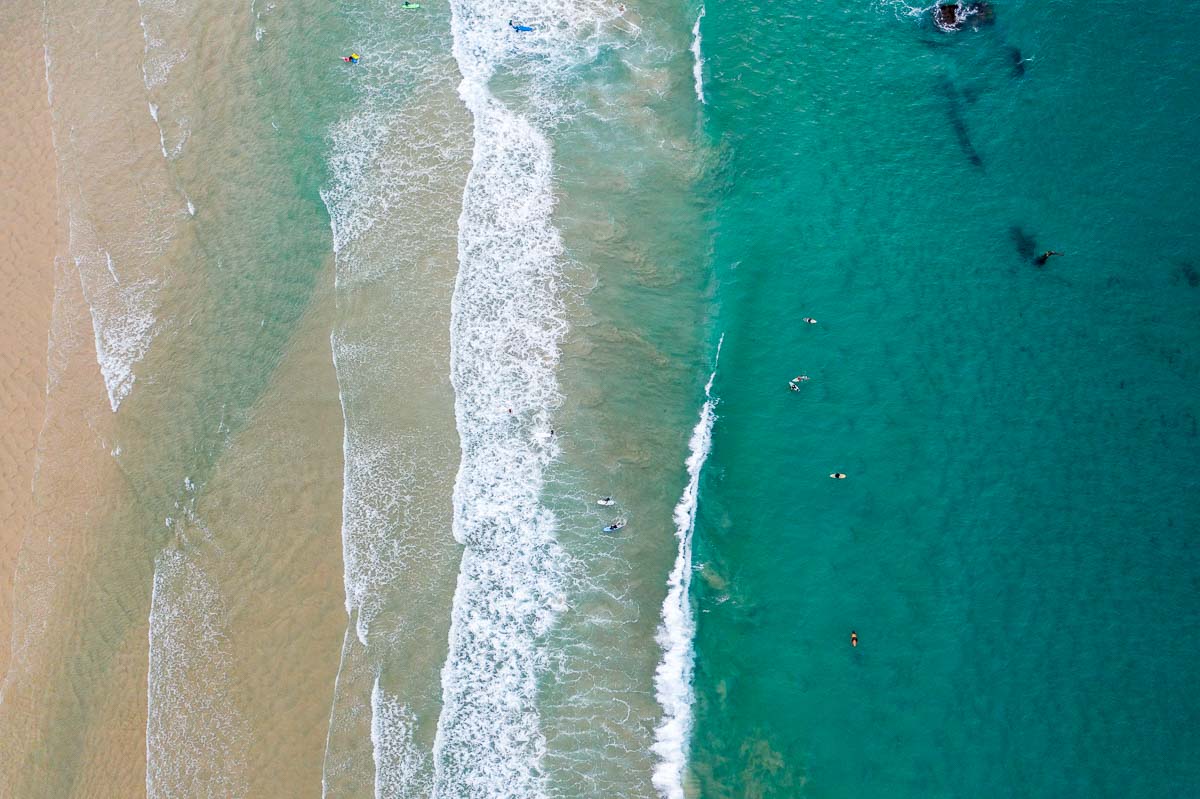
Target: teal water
1016, 540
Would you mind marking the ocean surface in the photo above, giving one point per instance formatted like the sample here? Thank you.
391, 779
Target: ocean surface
345, 354
1015, 540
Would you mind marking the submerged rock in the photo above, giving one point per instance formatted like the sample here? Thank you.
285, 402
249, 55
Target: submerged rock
954, 16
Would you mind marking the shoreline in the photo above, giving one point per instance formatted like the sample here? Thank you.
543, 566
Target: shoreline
28, 239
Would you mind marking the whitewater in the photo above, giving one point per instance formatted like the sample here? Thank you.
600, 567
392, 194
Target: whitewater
673, 677
507, 324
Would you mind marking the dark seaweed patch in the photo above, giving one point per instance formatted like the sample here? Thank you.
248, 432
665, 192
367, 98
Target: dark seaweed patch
1018, 62
954, 113
1025, 242
1187, 273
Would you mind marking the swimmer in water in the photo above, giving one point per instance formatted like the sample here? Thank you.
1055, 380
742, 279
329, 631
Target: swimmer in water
351, 59
853, 638
1046, 256
810, 320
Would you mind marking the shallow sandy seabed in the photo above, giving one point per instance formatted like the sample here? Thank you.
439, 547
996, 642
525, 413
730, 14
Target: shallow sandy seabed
27, 241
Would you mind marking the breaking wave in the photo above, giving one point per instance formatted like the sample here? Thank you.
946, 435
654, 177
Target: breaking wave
673, 677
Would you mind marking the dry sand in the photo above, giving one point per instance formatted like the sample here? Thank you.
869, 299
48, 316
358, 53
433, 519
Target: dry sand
27, 243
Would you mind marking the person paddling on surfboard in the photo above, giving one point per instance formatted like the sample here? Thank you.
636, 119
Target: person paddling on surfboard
853, 638
519, 28
410, 5
351, 59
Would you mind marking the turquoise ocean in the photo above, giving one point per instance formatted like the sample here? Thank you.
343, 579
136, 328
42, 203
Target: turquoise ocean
1015, 541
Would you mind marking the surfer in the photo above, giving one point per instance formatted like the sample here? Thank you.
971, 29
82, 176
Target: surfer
810, 320
351, 59
838, 476
1046, 256
519, 28
799, 378
410, 5
853, 638
793, 386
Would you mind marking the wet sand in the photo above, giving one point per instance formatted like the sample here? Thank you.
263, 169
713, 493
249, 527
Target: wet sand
275, 504
79, 497
27, 241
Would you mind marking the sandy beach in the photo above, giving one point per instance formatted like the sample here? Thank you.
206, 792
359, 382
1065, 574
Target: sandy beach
27, 243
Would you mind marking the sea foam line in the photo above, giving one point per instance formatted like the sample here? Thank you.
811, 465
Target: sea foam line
698, 60
400, 769
673, 677
195, 736
506, 324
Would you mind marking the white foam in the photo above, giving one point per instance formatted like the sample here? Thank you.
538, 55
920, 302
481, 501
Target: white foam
507, 322
383, 158
401, 768
108, 262
194, 733
160, 58
904, 8
335, 763
378, 165
122, 313
164, 22
46, 69
506, 325
372, 552
698, 60
673, 677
